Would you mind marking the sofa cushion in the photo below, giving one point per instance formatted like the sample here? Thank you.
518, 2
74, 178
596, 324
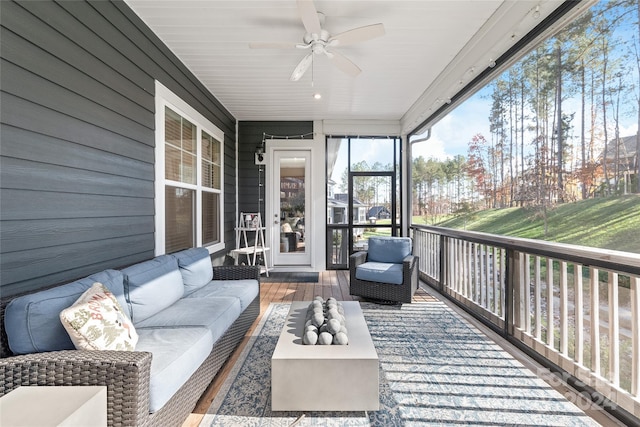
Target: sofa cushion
195, 267
214, 313
177, 353
97, 322
245, 290
32, 321
152, 286
380, 272
388, 249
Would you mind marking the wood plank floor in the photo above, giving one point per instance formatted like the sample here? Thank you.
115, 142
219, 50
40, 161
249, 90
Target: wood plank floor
334, 283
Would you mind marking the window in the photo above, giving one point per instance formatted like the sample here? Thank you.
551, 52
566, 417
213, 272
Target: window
189, 177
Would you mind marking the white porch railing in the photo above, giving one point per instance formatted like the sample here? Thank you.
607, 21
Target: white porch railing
546, 297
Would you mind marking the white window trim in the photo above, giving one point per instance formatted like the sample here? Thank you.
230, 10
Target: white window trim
166, 98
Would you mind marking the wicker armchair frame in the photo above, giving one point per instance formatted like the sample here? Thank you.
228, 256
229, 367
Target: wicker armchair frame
126, 374
384, 291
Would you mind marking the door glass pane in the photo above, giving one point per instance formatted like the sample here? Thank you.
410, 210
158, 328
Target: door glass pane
372, 155
179, 218
372, 208
292, 204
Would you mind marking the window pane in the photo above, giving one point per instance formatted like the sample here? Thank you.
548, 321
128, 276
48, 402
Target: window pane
172, 123
188, 168
210, 218
171, 163
210, 161
210, 148
180, 153
179, 219
188, 136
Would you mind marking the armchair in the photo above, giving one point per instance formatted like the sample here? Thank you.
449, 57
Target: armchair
387, 271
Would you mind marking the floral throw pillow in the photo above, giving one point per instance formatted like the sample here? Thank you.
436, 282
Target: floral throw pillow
96, 322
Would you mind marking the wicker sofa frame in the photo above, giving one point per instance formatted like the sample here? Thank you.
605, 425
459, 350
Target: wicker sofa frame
384, 291
126, 374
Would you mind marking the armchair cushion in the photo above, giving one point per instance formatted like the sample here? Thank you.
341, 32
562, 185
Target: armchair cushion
380, 272
388, 249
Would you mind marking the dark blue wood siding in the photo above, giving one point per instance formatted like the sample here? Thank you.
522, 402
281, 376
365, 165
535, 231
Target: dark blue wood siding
77, 148
250, 134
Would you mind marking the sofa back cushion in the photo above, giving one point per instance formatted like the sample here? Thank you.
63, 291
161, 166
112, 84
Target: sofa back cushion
389, 249
152, 286
195, 267
32, 321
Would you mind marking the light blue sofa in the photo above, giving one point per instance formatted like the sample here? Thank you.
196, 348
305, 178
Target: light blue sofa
188, 315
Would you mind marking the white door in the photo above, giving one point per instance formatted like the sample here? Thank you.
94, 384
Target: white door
291, 239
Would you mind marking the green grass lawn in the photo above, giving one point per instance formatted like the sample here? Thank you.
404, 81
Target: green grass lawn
610, 223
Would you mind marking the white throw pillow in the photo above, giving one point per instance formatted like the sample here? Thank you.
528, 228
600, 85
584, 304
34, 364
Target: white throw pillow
97, 322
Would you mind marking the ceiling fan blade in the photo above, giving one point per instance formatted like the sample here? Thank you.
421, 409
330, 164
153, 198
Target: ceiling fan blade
357, 35
344, 63
276, 45
309, 16
302, 67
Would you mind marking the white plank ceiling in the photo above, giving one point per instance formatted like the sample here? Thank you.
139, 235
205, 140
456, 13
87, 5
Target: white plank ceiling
429, 51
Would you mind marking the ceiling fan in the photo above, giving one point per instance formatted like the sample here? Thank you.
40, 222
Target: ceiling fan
319, 41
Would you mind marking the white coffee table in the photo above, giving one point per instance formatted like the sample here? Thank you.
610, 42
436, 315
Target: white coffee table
45, 406
325, 377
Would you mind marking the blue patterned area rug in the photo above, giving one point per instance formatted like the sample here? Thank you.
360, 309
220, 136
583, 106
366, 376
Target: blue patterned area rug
435, 369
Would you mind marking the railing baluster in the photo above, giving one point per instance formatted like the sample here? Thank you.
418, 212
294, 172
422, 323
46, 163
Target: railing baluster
550, 304
518, 289
564, 314
455, 265
459, 244
526, 279
496, 282
487, 275
537, 294
635, 333
502, 283
578, 313
595, 320
481, 278
523, 299
614, 330
465, 267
